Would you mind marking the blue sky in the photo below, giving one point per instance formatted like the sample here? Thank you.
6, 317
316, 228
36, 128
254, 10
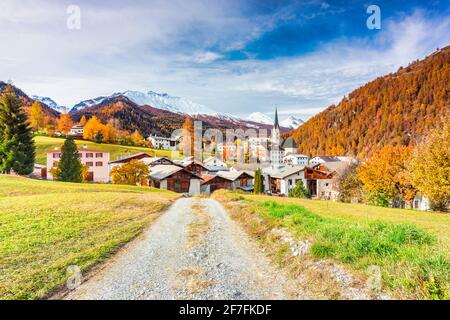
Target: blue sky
233, 56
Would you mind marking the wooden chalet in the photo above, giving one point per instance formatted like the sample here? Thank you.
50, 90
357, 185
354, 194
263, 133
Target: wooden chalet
175, 178
211, 183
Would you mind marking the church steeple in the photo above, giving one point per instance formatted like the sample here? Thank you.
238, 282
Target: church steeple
276, 125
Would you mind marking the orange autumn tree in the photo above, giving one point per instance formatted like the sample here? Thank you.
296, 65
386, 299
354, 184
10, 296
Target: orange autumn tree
386, 178
430, 167
83, 121
37, 120
109, 134
137, 138
187, 141
65, 123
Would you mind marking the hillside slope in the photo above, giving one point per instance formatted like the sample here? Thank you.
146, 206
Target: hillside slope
395, 109
27, 101
150, 120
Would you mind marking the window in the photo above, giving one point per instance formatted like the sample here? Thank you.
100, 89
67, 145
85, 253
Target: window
99, 155
90, 164
99, 164
55, 164
56, 155
89, 155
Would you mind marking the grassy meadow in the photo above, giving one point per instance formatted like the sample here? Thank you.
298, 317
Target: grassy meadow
47, 226
411, 247
45, 144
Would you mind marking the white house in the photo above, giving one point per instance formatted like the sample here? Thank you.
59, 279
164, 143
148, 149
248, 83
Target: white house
323, 159
163, 142
295, 159
214, 161
421, 203
282, 180
76, 131
96, 161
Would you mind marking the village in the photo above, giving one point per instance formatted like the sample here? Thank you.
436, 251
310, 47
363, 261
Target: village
282, 168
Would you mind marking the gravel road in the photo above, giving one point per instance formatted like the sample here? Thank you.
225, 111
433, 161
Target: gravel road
194, 251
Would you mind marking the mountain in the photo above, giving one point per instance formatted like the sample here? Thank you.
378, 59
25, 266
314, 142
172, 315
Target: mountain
260, 118
151, 120
50, 103
291, 122
131, 116
161, 101
87, 103
398, 108
27, 101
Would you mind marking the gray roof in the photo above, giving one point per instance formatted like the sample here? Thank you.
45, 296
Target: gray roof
328, 158
283, 172
215, 168
121, 159
161, 172
232, 175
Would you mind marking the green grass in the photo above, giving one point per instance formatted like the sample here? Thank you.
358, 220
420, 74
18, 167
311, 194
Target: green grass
410, 247
45, 144
47, 226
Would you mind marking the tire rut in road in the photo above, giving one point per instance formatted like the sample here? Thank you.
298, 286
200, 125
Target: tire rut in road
194, 251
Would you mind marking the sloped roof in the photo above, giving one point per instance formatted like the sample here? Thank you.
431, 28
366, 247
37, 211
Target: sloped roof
161, 172
328, 158
131, 157
281, 173
216, 168
208, 178
232, 175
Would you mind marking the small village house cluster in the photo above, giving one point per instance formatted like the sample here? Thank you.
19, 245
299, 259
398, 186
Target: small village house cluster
285, 168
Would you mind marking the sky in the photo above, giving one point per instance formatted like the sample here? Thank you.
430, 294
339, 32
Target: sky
236, 57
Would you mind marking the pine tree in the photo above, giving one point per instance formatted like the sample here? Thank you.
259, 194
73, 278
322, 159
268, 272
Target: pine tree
299, 191
98, 137
17, 150
69, 166
258, 187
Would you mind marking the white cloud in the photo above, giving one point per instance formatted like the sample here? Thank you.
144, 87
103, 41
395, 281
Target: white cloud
138, 47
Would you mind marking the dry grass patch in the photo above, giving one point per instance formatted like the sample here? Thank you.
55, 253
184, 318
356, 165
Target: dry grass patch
194, 280
44, 229
197, 230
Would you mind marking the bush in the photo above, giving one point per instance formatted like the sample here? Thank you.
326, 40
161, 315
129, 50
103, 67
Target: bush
299, 191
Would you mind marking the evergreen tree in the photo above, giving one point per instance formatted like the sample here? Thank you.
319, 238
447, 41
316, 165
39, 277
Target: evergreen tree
299, 191
259, 182
17, 150
70, 168
98, 137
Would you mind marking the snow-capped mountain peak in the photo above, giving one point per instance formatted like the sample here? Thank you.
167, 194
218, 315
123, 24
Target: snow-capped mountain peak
162, 101
291, 122
260, 117
49, 102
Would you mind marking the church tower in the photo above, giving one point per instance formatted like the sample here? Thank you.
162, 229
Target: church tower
276, 152
276, 137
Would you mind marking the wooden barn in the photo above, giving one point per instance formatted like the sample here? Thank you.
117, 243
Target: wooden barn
211, 183
175, 178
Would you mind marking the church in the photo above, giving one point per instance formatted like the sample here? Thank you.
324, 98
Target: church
284, 152
276, 149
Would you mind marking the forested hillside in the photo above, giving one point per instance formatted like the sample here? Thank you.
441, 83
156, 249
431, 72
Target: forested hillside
395, 109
